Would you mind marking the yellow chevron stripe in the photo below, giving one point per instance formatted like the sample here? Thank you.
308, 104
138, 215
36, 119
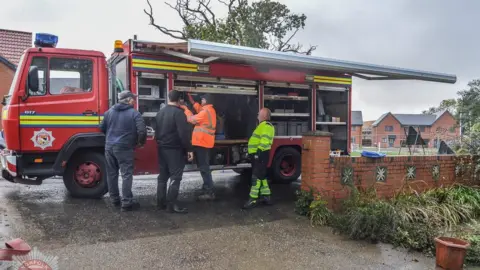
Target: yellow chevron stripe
165, 67
59, 122
164, 63
325, 78
332, 82
60, 117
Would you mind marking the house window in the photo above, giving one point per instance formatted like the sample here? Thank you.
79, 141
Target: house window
384, 140
354, 128
353, 139
389, 128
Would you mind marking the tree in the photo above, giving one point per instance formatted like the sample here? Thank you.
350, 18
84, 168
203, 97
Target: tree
263, 24
447, 104
468, 105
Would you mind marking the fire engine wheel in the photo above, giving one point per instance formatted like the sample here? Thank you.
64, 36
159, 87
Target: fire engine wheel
85, 176
286, 165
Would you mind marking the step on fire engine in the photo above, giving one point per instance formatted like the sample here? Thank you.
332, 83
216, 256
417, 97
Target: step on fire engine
58, 96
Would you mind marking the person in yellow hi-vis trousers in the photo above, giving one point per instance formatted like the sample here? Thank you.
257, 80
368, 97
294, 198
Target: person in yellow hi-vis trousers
259, 146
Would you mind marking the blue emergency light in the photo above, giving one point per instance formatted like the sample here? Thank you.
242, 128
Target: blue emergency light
45, 40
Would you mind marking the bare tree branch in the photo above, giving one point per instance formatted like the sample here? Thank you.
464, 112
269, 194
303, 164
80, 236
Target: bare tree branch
184, 17
229, 5
162, 29
209, 10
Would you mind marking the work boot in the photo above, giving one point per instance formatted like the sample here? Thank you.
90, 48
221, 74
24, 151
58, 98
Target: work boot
207, 195
161, 196
175, 208
131, 207
116, 202
251, 203
267, 200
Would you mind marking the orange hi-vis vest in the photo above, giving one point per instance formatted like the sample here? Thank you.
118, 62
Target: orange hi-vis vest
205, 122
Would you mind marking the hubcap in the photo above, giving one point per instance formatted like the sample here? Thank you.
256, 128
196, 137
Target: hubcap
287, 166
88, 174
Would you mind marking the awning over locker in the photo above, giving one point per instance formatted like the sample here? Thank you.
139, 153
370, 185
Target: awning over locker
200, 48
204, 52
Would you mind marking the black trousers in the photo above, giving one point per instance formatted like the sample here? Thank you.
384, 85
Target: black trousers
202, 156
259, 165
172, 164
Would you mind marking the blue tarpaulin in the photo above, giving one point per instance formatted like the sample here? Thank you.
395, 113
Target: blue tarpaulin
371, 154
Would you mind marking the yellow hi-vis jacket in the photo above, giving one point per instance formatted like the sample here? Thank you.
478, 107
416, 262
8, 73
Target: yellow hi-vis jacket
262, 138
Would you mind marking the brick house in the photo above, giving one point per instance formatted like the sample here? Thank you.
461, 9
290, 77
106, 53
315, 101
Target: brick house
389, 129
367, 139
12, 46
357, 123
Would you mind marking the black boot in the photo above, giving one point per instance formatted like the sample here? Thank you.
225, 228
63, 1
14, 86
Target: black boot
251, 203
162, 195
267, 200
172, 196
207, 195
175, 208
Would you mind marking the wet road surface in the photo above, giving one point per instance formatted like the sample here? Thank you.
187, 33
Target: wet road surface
91, 234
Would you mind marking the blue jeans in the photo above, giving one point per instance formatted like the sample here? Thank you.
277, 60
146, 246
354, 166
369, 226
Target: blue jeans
120, 158
203, 163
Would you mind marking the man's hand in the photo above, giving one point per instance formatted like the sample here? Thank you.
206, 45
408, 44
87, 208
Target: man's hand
190, 156
190, 98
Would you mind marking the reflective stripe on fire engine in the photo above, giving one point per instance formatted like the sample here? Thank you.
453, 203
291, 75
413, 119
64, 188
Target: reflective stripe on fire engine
59, 120
332, 80
143, 63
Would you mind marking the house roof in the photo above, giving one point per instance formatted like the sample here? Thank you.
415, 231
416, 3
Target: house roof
412, 119
13, 44
7, 63
357, 118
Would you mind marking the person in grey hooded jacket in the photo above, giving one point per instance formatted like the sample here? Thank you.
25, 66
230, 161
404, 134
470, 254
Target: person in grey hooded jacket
124, 129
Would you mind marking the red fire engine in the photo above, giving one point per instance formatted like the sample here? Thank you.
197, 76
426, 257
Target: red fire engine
58, 96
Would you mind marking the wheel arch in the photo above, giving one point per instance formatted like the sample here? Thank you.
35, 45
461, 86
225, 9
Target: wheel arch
78, 143
277, 147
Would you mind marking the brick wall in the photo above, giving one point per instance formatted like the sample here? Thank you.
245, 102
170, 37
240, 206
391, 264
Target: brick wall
333, 177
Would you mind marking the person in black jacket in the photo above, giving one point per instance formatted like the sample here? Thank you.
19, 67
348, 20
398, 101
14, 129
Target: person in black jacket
173, 136
124, 129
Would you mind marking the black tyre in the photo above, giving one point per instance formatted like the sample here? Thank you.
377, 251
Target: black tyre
86, 175
286, 165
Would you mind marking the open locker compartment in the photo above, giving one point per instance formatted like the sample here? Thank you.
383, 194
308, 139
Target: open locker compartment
236, 106
332, 115
152, 95
290, 106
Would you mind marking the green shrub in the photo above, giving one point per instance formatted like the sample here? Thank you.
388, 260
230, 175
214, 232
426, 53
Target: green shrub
473, 253
408, 220
319, 213
311, 204
304, 199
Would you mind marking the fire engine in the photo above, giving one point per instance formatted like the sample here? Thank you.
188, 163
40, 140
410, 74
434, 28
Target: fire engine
58, 96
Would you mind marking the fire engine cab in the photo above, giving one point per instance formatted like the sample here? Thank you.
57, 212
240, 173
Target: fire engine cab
58, 96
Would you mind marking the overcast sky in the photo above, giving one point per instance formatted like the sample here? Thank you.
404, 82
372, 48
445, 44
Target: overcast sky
432, 35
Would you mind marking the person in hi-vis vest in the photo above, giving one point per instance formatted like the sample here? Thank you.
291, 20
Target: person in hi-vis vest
203, 139
259, 146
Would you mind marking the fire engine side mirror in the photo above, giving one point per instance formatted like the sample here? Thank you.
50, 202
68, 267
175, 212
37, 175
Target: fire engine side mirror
33, 82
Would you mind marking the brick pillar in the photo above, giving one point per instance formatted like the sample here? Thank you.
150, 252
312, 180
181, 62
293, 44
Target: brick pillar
315, 159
